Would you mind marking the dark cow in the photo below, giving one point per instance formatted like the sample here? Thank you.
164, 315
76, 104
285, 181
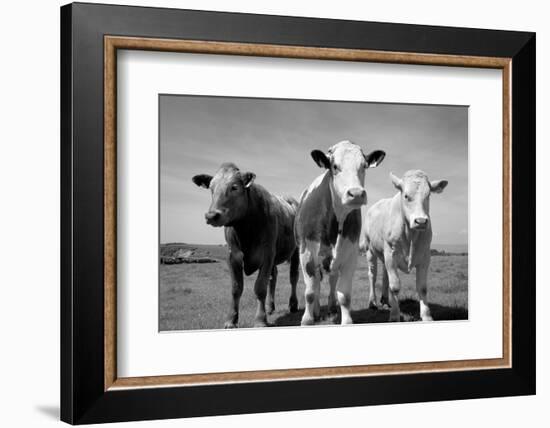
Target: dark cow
259, 234
328, 225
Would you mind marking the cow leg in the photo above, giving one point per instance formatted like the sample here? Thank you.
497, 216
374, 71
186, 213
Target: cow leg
317, 302
372, 265
260, 289
294, 266
270, 302
345, 280
332, 280
395, 287
422, 289
235, 262
332, 300
312, 279
384, 300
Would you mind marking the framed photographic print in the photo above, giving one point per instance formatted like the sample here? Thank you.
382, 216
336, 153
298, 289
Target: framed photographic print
277, 213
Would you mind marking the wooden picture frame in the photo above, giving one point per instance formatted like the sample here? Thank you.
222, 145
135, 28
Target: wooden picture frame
91, 390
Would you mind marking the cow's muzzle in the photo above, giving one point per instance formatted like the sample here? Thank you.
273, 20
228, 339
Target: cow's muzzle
420, 223
214, 218
355, 196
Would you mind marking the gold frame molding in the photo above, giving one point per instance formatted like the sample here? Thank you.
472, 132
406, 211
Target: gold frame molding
113, 43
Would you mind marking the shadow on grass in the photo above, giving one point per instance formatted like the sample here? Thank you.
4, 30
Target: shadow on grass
410, 311
294, 319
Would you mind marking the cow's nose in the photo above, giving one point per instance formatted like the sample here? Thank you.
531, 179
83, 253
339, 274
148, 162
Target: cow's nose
422, 221
357, 194
212, 216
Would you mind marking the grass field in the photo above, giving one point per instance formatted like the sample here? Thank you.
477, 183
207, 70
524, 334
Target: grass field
197, 296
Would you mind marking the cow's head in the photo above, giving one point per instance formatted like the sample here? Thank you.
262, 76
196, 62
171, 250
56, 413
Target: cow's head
229, 188
415, 189
347, 164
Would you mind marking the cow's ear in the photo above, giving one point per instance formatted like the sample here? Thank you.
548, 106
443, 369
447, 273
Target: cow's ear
397, 182
202, 180
320, 159
375, 158
248, 179
437, 186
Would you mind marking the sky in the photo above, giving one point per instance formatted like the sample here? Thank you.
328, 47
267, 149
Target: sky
273, 138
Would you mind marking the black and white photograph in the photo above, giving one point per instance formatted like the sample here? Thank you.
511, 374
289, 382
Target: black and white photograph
289, 212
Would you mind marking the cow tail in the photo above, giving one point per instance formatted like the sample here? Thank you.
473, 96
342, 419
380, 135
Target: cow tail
294, 266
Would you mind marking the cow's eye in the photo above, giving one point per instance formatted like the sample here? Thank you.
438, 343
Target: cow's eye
235, 187
407, 197
335, 168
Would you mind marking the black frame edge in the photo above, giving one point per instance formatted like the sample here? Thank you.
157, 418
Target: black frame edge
297, 30
524, 219
66, 306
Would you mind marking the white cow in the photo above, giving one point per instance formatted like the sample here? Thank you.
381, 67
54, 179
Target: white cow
398, 231
328, 225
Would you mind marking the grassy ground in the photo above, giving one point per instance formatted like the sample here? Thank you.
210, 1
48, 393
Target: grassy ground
197, 296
